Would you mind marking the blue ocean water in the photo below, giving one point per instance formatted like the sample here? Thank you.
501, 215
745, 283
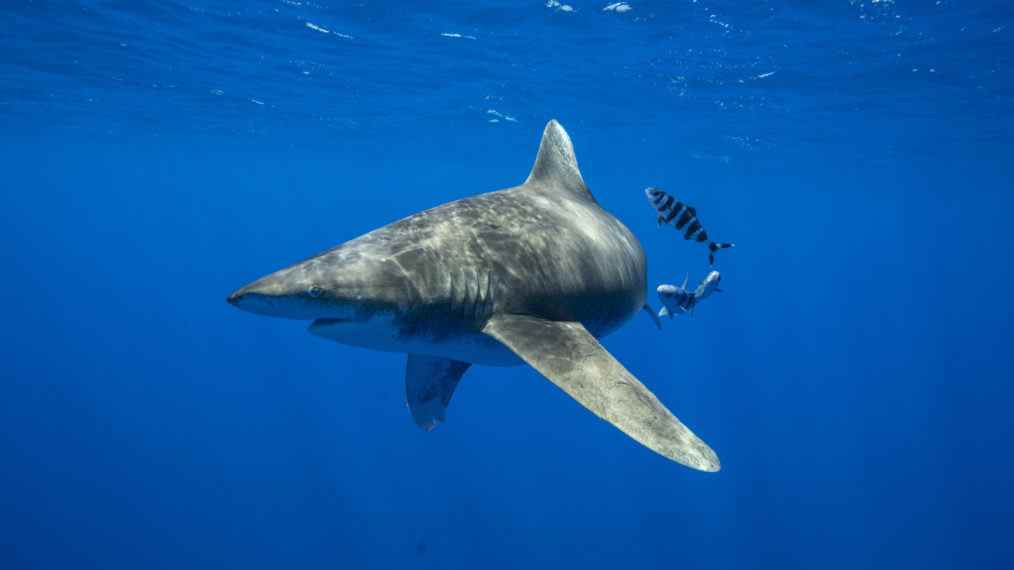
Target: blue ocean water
854, 378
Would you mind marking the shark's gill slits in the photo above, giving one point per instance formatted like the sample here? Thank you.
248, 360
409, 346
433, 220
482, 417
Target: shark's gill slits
470, 294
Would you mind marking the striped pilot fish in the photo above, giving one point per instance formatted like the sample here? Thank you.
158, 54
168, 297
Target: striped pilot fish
678, 300
684, 218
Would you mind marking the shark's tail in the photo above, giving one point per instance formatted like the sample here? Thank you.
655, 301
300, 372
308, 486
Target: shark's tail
713, 247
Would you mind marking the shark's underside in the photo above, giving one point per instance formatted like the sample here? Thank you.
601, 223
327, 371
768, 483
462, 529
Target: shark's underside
532, 274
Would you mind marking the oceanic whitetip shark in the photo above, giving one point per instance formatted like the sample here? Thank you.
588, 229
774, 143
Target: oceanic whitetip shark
532, 274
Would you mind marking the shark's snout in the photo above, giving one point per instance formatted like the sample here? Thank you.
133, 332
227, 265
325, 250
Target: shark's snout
250, 300
318, 288
262, 289
244, 298
277, 295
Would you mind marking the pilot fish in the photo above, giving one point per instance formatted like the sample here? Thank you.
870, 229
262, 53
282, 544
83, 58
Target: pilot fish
677, 300
684, 218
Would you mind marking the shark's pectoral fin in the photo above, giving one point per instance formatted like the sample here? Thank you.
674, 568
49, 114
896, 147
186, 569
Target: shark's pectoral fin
429, 385
570, 357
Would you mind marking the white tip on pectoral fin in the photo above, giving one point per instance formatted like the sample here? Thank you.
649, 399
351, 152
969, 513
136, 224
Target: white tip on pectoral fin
570, 357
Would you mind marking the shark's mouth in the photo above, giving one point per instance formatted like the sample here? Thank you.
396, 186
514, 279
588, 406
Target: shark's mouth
328, 327
322, 323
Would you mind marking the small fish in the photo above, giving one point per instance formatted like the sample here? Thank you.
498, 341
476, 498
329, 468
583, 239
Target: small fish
677, 300
708, 286
684, 218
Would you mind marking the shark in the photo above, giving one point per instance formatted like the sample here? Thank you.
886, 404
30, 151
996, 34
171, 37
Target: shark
529, 275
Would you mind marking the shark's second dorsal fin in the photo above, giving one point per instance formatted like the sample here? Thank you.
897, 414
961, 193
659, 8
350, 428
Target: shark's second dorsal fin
556, 165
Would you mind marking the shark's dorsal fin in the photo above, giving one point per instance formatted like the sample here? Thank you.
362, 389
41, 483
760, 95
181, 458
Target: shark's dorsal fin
570, 357
555, 166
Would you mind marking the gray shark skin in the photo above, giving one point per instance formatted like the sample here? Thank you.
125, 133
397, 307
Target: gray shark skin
532, 274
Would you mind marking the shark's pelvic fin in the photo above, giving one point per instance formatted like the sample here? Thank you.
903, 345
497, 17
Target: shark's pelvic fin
570, 357
429, 385
556, 165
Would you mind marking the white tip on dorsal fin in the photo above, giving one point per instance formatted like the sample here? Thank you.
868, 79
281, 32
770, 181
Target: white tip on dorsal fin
556, 164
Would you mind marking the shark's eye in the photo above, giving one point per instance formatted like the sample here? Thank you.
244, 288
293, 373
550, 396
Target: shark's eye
314, 291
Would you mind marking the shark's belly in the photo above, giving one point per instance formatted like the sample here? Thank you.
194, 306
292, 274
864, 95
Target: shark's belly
447, 338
